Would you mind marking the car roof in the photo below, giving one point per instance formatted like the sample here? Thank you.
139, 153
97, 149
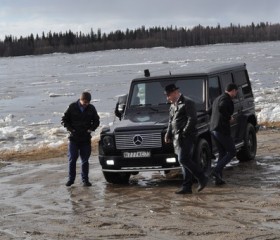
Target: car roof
205, 71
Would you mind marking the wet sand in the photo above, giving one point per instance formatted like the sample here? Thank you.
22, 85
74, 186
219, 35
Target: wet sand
35, 204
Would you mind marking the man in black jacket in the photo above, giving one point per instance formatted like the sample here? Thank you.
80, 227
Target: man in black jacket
221, 118
182, 129
80, 119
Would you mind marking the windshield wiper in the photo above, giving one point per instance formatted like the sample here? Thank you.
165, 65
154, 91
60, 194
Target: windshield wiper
146, 105
140, 105
154, 109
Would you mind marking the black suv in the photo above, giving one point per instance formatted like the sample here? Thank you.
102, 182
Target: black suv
136, 142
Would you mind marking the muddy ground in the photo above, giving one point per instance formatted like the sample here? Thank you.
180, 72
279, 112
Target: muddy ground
35, 204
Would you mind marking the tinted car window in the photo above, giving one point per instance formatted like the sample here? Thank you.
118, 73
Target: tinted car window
240, 78
192, 88
226, 79
214, 89
152, 93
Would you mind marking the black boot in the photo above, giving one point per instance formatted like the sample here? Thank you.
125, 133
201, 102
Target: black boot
184, 190
217, 175
69, 183
202, 183
218, 178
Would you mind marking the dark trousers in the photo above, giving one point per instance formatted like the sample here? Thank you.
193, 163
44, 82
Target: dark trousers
226, 150
189, 166
74, 151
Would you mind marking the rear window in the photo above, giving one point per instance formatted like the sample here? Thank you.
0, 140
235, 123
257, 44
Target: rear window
241, 80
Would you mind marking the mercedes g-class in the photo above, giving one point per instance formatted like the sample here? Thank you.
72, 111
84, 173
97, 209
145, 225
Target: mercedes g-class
136, 142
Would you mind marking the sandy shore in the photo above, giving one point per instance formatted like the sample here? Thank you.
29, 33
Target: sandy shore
35, 204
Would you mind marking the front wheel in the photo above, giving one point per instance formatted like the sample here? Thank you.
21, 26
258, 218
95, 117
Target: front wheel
117, 178
202, 154
248, 151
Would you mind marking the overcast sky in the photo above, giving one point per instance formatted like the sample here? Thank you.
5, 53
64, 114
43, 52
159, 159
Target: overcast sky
23, 17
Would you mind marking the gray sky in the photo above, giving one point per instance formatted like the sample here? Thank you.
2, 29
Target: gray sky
23, 17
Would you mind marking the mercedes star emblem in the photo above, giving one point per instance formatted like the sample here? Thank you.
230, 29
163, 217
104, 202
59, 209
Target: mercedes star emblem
137, 139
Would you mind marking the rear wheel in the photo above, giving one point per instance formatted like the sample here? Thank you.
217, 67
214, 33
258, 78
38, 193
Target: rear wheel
203, 154
248, 151
117, 178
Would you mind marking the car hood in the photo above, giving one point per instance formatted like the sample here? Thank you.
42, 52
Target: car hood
143, 121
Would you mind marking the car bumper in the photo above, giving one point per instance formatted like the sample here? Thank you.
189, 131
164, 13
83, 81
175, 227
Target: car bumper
159, 162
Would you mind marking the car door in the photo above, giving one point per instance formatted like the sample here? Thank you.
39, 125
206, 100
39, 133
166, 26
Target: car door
227, 78
246, 101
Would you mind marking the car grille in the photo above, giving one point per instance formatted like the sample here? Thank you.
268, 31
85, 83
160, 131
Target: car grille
136, 140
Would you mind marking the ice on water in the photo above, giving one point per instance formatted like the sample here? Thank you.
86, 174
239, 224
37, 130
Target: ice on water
36, 90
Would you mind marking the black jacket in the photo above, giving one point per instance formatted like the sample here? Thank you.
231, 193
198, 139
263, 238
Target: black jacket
182, 119
79, 123
222, 111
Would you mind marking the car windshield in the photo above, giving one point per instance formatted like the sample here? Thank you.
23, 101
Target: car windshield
152, 93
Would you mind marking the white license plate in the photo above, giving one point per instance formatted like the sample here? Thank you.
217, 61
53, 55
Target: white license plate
138, 154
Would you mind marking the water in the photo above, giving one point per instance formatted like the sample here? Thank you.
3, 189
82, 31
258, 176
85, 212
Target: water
36, 90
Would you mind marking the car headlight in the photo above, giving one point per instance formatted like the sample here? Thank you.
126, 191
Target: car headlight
108, 142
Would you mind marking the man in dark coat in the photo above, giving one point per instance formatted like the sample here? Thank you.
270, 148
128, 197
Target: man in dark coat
221, 118
80, 119
182, 130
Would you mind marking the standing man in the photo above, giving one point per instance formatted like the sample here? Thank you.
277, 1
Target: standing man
221, 119
182, 129
80, 119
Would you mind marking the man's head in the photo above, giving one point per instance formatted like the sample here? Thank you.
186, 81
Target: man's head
232, 90
85, 99
172, 93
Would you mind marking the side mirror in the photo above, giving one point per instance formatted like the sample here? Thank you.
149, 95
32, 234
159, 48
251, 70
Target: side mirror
120, 106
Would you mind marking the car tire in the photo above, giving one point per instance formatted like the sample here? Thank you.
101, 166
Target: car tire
248, 151
202, 154
117, 178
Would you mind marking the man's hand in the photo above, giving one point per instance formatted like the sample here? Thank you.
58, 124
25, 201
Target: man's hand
166, 139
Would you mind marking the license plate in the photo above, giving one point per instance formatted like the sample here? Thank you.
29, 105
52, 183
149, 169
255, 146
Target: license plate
138, 154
